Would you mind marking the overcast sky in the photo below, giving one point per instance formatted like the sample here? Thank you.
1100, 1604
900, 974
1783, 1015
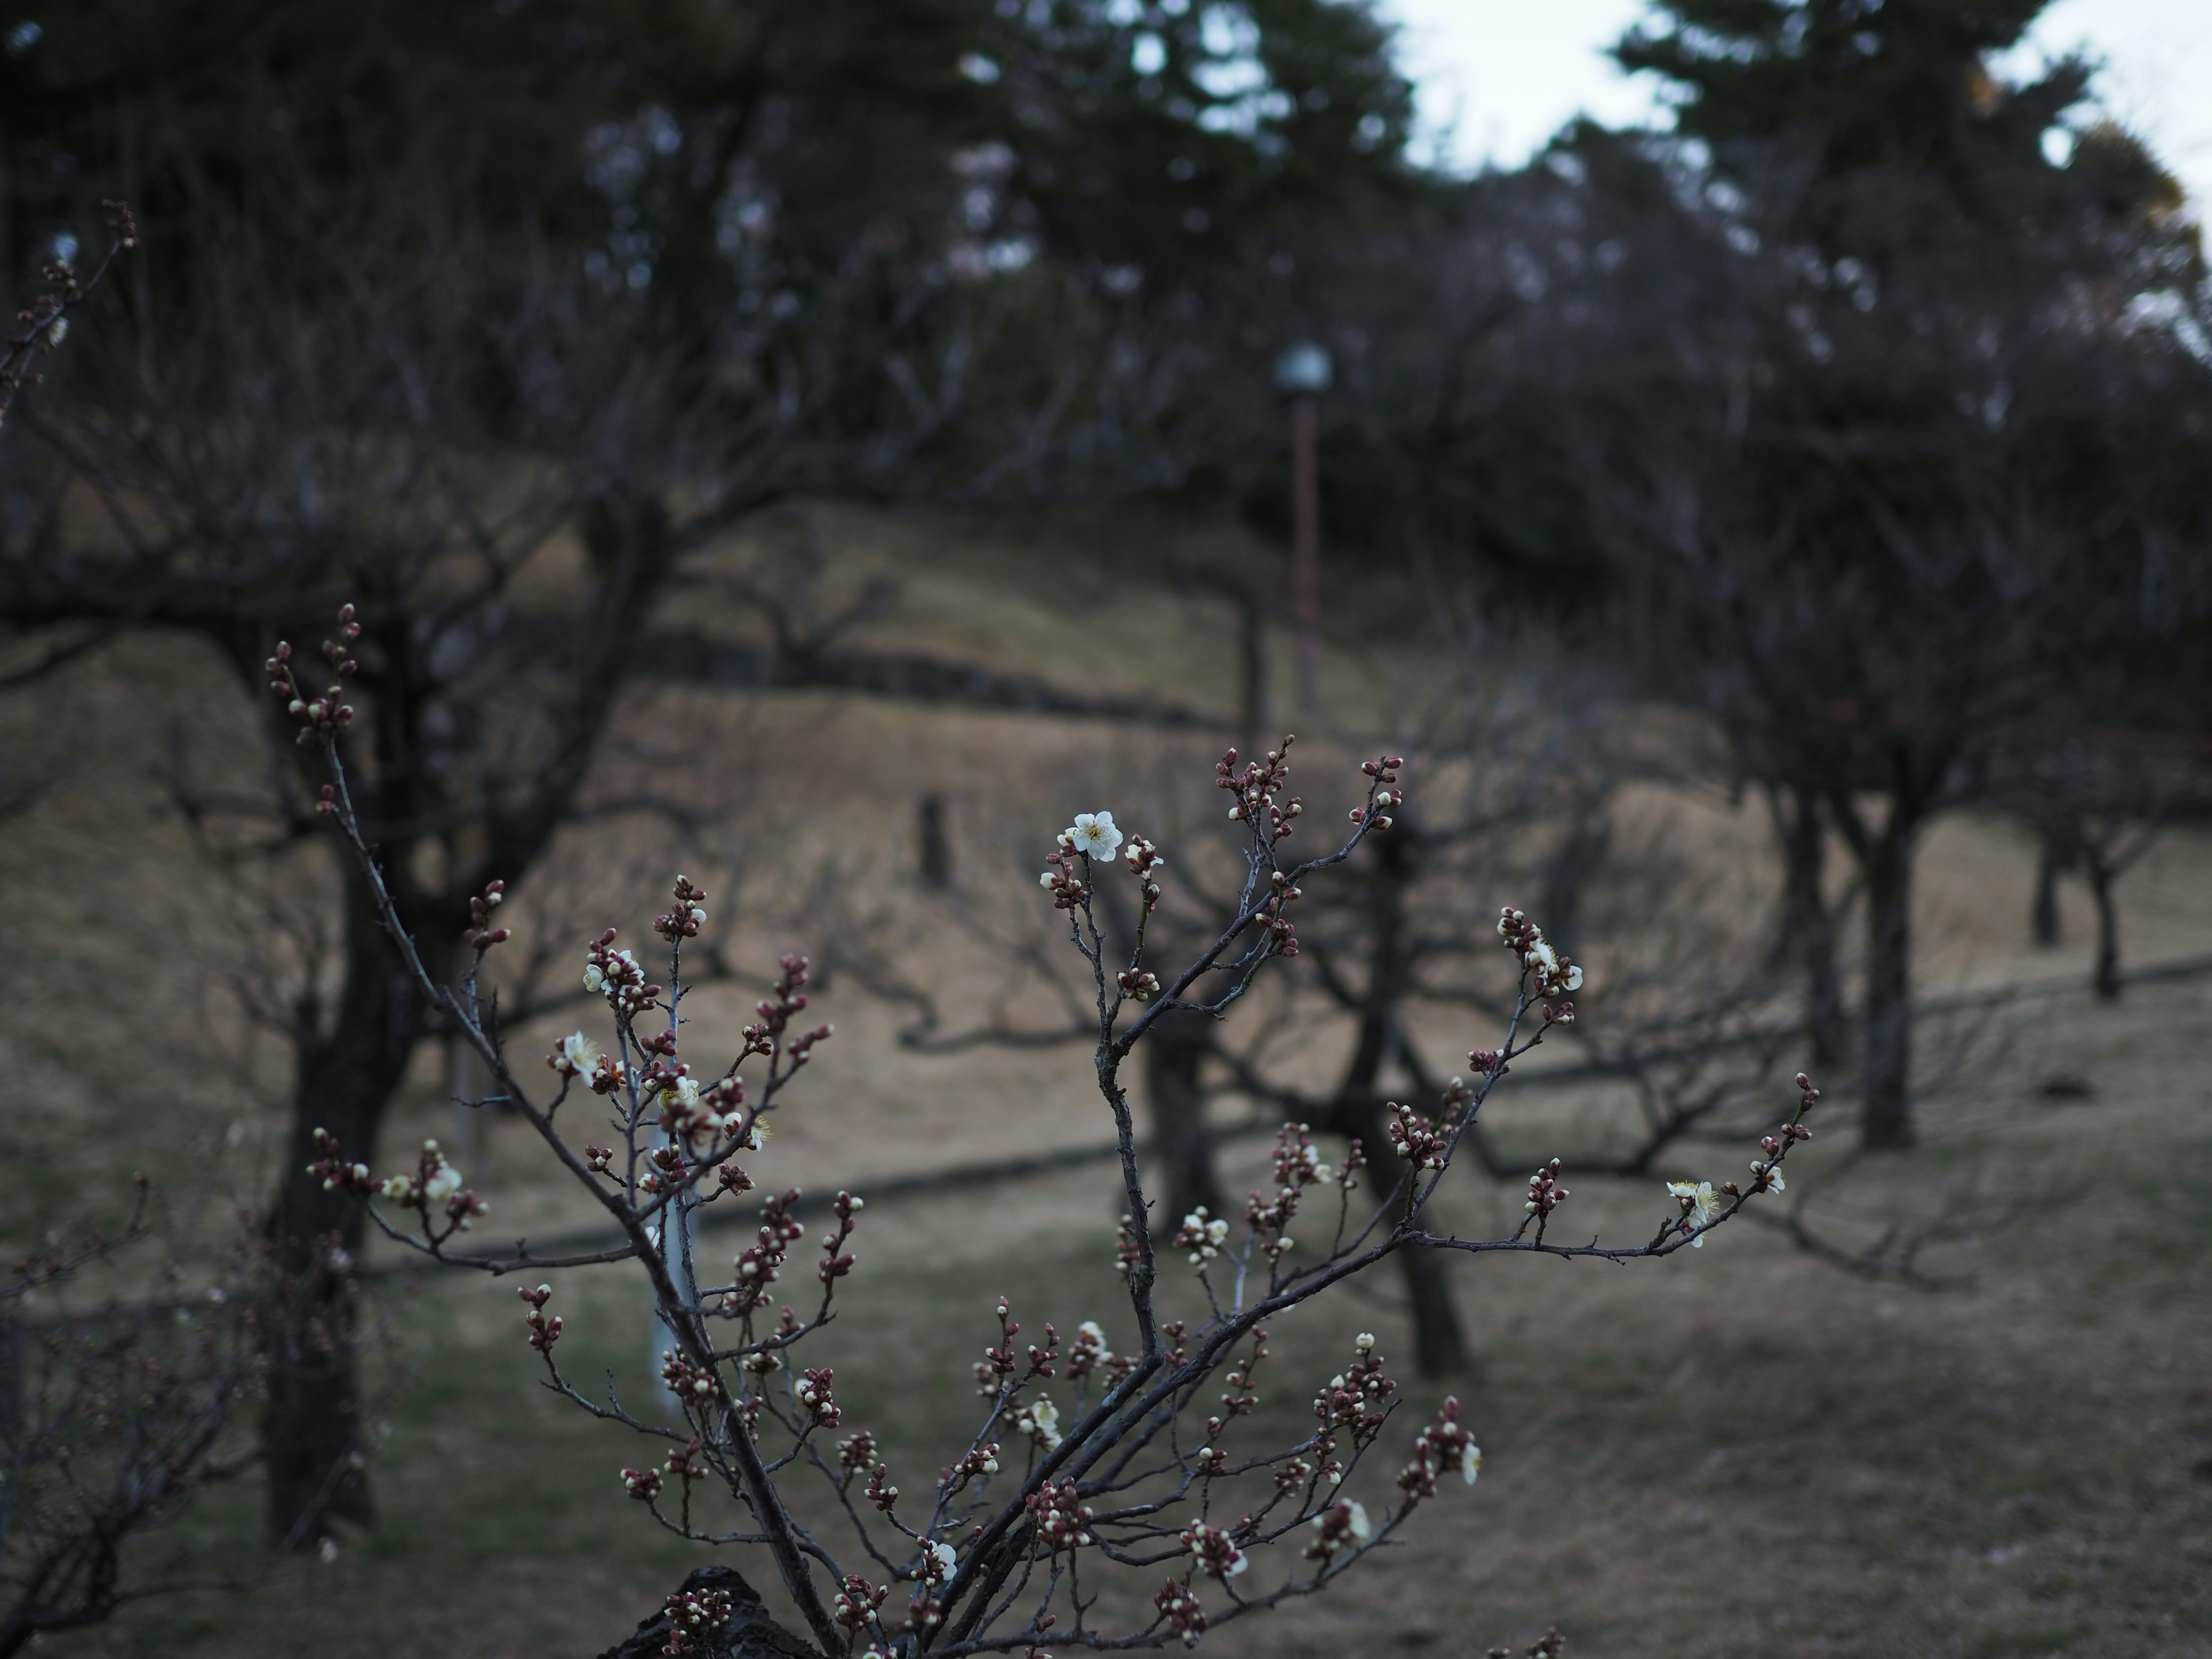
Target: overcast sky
1503, 76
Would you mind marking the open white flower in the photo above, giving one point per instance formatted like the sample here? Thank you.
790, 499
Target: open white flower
579, 1054
443, 1183
595, 978
1704, 1204
1094, 834
1040, 1421
1770, 1177
1470, 1463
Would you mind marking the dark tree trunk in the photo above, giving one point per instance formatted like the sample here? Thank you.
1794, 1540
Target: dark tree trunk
1174, 1050
1808, 925
1440, 1346
312, 1428
1251, 672
1885, 1122
2101, 876
2043, 922
934, 862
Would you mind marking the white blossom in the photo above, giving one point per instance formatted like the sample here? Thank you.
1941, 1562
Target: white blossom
1704, 1204
1470, 1463
1040, 1421
579, 1054
595, 980
1094, 834
443, 1183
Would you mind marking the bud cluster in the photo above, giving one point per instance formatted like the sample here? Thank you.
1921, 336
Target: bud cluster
437, 1185
1253, 789
1201, 1235
785, 1002
543, 1331
1058, 1520
1442, 1448
1552, 974
1384, 793
1143, 857
321, 718
1176, 1604
813, 1392
1421, 1143
1343, 1526
1545, 1193
1357, 1398
616, 975
480, 935
1089, 1352
856, 1603
1298, 1164
763, 1261
695, 1617
1212, 1552
686, 916
338, 1174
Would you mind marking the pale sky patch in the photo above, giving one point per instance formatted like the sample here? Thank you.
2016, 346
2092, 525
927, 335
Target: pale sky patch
1498, 77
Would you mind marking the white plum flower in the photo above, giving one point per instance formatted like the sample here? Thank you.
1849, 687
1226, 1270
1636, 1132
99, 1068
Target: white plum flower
1040, 1421
1770, 1177
1470, 1463
943, 1558
578, 1054
1543, 954
1574, 979
595, 979
397, 1187
1094, 834
1703, 1205
443, 1183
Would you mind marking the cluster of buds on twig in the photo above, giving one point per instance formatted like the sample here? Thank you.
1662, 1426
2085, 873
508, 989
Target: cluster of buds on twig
813, 1392
686, 916
1147, 859
1126, 1255
695, 1617
1140, 983
785, 1002
1212, 1552
320, 718
577, 1055
1423, 1144
1766, 1171
757, 1268
1343, 1526
643, 1485
436, 1185
45, 319
1059, 1520
1384, 793
1357, 1398
692, 1384
1088, 1352
834, 1266
856, 1603
1443, 1448
1271, 913
1200, 1237
1253, 789
335, 1173
480, 935
1545, 1193
1176, 1604
1552, 974
1298, 1166
543, 1331
976, 1463
616, 975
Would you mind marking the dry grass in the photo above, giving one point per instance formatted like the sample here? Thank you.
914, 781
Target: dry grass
1737, 1452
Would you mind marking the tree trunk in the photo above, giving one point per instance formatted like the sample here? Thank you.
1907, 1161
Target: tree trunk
1440, 1346
311, 1431
1174, 1051
1252, 673
2106, 977
2043, 922
1886, 1123
1808, 925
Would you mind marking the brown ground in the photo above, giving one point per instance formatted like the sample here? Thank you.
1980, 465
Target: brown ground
1737, 1452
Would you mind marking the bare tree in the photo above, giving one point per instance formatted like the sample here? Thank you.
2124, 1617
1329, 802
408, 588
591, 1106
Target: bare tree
1108, 1484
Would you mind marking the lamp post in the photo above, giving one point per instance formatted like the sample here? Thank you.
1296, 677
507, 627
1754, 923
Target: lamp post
1302, 374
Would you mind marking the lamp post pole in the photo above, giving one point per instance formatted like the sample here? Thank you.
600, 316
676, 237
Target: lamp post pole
1303, 372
